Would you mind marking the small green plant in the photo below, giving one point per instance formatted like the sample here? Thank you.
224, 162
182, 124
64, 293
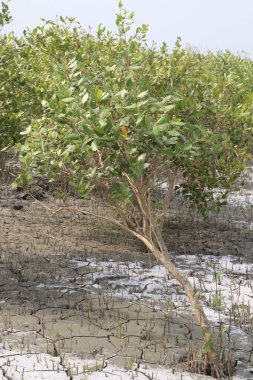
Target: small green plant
218, 276
130, 363
216, 302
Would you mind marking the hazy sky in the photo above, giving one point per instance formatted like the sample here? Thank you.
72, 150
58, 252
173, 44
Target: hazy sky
205, 24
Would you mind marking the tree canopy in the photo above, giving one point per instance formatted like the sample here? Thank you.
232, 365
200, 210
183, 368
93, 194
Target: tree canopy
112, 105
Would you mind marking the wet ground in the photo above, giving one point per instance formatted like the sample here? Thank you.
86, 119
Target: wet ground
69, 285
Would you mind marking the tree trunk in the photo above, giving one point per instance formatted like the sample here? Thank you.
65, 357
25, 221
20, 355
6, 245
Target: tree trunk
162, 255
160, 252
154, 241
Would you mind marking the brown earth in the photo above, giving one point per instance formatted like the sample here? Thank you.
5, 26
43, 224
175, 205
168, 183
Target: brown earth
40, 311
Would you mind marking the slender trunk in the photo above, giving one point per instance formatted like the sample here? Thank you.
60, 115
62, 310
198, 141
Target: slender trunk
163, 257
155, 243
152, 238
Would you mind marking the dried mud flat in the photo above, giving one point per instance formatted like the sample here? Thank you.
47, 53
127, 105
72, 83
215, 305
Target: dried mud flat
81, 300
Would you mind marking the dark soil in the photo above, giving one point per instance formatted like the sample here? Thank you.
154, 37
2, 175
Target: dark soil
36, 247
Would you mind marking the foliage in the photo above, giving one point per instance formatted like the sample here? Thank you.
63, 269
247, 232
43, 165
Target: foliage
114, 107
17, 101
6, 55
5, 17
24, 67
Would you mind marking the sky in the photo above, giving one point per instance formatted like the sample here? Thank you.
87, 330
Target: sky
203, 24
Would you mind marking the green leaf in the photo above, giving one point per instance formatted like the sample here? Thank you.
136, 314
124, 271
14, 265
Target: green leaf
85, 98
169, 108
94, 146
68, 100
45, 104
105, 96
73, 64
99, 94
173, 141
174, 132
132, 47
142, 94
72, 136
160, 128
142, 157
131, 107
188, 147
141, 121
122, 93
100, 131
167, 99
178, 123
27, 131
162, 120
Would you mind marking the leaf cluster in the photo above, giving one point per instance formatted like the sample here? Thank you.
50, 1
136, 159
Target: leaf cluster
5, 16
107, 109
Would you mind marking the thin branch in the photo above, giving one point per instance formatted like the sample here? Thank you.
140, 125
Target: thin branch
102, 217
